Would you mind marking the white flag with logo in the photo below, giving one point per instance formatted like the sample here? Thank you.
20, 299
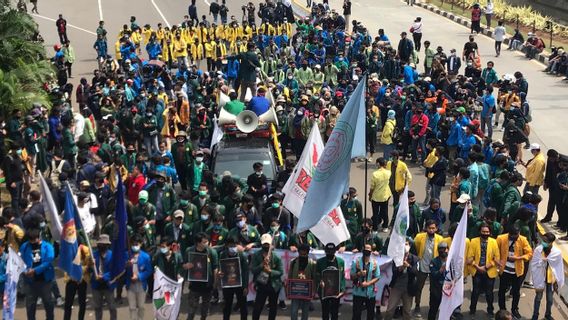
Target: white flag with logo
452, 289
166, 296
397, 239
333, 227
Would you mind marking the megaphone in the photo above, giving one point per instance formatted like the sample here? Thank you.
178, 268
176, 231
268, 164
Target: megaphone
223, 99
269, 117
225, 117
247, 121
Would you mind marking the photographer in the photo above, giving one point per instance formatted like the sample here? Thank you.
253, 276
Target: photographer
248, 13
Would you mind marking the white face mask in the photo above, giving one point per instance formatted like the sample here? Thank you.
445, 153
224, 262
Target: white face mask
199, 159
407, 248
241, 224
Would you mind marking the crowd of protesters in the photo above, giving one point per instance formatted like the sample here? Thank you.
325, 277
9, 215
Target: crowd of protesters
146, 117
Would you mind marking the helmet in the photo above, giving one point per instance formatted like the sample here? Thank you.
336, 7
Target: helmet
57, 47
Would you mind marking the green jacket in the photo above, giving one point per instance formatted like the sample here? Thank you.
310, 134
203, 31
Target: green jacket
88, 133
512, 201
224, 254
68, 143
212, 266
217, 238
372, 238
296, 240
276, 268
187, 155
304, 76
429, 54
148, 239
234, 107
353, 212
147, 211
176, 260
323, 263
252, 236
168, 200
184, 236
191, 213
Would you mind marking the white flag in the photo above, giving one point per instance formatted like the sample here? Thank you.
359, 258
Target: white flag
166, 296
217, 134
452, 289
332, 228
398, 235
51, 209
14, 267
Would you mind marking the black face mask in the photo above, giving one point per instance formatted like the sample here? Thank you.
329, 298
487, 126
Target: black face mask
160, 183
265, 249
102, 248
35, 246
330, 255
443, 255
366, 253
484, 236
366, 229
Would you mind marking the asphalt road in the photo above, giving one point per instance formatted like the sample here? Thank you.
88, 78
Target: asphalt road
545, 93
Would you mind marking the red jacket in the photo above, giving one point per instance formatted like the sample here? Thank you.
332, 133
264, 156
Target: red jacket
418, 124
133, 186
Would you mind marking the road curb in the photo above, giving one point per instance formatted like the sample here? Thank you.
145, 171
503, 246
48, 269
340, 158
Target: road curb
542, 58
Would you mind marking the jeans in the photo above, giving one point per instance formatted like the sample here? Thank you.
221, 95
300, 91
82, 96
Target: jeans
80, 288
420, 281
506, 281
396, 296
241, 301
264, 292
387, 149
35, 290
482, 282
418, 143
98, 300
15, 196
194, 303
182, 61
538, 299
498, 47
363, 302
136, 297
380, 214
215, 17
151, 144
330, 309
435, 191
417, 37
297, 305
486, 121
224, 19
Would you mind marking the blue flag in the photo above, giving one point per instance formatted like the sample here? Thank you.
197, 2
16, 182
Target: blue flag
331, 178
118, 263
70, 256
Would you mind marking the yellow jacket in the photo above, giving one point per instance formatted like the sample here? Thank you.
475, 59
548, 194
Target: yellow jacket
388, 131
147, 34
166, 128
136, 37
15, 236
198, 52
431, 159
535, 170
448, 240
112, 179
117, 50
420, 243
380, 190
180, 48
402, 175
522, 249
211, 50
221, 49
492, 257
220, 33
161, 36
86, 263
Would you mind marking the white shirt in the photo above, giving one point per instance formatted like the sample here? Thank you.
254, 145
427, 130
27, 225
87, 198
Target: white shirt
417, 26
499, 33
489, 8
79, 126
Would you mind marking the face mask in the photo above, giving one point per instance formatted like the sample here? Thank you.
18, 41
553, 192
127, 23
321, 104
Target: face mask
217, 227
142, 201
199, 159
102, 248
443, 255
42, 225
164, 250
265, 249
148, 114
160, 183
545, 245
204, 217
276, 205
484, 236
233, 250
19, 152
202, 193
366, 253
330, 255
300, 113
407, 248
241, 224
184, 203
135, 249
274, 228
259, 173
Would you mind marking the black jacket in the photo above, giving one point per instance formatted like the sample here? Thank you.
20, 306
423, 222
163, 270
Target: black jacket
412, 271
439, 171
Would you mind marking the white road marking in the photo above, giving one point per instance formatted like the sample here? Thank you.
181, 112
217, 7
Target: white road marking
100, 10
160, 12
69, 25
207, 2
357, 4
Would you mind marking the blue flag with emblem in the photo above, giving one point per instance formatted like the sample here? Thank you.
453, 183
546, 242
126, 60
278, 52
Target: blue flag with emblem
118, 263
331, 178
69, 254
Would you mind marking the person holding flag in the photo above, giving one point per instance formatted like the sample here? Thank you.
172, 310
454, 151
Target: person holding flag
437, 276
78, 287
102, 286
138, 271
403, 284
38, 256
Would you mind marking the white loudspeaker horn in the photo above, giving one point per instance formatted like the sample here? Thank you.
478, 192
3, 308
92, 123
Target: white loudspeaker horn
247, 121
269, 117
223, 99
226, 118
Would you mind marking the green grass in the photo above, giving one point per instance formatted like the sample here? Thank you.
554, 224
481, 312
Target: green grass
458, 9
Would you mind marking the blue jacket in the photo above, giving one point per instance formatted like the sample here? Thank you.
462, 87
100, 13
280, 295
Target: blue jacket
488, 105
145, 269
106, 264
154, 50
410, 75
454, 136
259, 105
101, 47
465, 146
47, 255
232, 68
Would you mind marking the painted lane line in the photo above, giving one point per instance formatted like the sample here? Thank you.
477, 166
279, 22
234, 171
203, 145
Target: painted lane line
69, 25
207, 2
160, 12
100, 10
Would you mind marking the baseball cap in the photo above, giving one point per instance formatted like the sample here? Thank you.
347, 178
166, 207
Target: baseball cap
266, 239
464, 198
535, 146
178, 214
143, 195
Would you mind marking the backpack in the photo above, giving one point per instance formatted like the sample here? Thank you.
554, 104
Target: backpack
487, 195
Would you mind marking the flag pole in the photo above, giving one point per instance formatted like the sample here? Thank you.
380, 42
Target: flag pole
366, 188
84, 234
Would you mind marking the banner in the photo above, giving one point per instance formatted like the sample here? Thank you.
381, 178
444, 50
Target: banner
217, 133
14, 267
51, 209
166, 296
398, 235
331, 177
333, 227
70, 255
384, 263
452, 289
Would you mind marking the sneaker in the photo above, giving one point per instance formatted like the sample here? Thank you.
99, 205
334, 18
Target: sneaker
39, 302
385, 230
59, 302
516, 314
282, 305
528, 284
416, 313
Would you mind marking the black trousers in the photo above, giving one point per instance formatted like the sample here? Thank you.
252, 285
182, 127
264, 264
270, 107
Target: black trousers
553, 200
330, 309
228, 294
263, 293
417, 37
371, 140
380, 214
72, 288
507, 281
362, 302
435, 300
482, 283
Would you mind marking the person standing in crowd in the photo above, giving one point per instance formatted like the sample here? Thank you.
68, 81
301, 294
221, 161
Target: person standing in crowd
403, 285
379, 194
102, 287
13, 169
73, 287
400, 176
515, 252
388, 135
139, 270
330, 305
437, 278
231, 251
488, 13
551, 184
365, 273
347, 13
416, 30
267, 269
61, 25
426, 244
536, 168
303, 268
499, 36
476, 19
